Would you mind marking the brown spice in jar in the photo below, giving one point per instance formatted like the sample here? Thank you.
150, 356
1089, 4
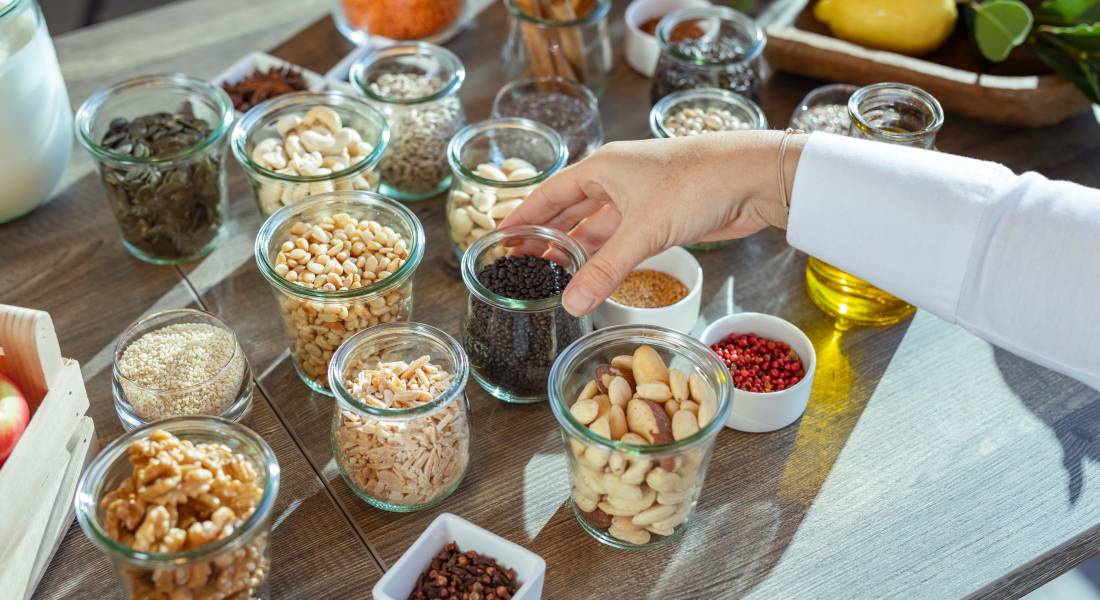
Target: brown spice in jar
684, 31
456, 574
645, 288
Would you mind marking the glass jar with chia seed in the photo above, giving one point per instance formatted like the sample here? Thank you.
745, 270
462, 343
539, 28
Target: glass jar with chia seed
712, 47
339, 263
306, 143
704, 110
512, 342
159, 146
639, 408
415, 85
495, 164
400, 431
566, 106
141, 502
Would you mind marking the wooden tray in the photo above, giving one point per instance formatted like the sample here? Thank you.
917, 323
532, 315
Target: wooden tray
1020, 91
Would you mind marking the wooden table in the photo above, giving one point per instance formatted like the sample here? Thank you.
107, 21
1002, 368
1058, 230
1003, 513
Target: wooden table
928, 464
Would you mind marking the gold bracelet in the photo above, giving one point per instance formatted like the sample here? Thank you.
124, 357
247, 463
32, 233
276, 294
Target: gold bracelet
782, 180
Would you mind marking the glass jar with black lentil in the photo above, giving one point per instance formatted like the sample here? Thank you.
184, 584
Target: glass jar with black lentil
712, 47
515, 324
160, 145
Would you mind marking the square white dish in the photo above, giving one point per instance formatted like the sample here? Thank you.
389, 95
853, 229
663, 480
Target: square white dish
259, 61
400, 580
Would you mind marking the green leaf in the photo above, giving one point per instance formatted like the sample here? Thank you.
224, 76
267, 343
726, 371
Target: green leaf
1000, 26
1084, 74
1068, 12
1080, 38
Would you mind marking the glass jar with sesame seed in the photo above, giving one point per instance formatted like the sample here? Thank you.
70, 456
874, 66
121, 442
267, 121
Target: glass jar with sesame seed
339, 263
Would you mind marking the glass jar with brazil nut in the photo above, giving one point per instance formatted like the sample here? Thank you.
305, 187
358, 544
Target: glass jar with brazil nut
495, 164
640, 408
712, 47
159, 146
515, 324
307, 143
179, 362
704, 110
183, 509
415, 85
339, 262
400, 432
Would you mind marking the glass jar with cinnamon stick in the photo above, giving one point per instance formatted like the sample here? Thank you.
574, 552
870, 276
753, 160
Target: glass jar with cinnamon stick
558, 38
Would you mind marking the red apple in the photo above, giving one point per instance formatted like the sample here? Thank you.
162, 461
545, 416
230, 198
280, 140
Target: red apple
14, 416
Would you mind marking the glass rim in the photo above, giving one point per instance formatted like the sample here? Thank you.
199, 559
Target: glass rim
581, 89
443, 55
598, 12
415, 242
724, 13
244, 126
664, 106
86, 114
471, 131
927, 100
664, 337
470, 257
86, 505
460, 376
128, 336
10, 8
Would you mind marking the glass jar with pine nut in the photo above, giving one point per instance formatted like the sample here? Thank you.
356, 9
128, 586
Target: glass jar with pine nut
401, 432
495, 164
639, 408
183, 508
306, 143
339, 263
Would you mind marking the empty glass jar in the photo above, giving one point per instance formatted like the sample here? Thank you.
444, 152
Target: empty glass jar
553, 40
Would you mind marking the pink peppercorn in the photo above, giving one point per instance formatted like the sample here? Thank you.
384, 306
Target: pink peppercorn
758, 364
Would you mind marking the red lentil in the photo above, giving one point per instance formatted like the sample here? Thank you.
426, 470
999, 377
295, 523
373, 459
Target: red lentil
758, 364
645, 288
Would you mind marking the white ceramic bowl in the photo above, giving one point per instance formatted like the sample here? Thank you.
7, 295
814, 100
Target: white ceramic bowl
680, 316
400, 579
642, 49
755, 412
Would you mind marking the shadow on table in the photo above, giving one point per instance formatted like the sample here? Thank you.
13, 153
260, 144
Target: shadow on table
1073, 413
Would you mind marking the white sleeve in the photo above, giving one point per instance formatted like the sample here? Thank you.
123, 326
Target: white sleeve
1015, 259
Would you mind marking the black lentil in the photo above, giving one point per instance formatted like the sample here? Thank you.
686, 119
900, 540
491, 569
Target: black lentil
513, 349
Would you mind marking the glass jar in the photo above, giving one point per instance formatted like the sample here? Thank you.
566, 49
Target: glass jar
567, 107
708, 47
562, 44
279, 166
188, 339
36, 124
625, 492
513, 343
894, 113
319, 320
481, 197
825, 109
171, 203
415, 85
429, 20
234, 566
410, 458
744, 114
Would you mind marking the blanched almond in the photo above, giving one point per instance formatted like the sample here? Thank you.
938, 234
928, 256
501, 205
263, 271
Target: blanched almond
648, 366
647, 419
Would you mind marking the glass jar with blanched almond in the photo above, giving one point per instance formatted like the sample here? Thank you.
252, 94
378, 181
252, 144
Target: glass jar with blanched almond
639, 408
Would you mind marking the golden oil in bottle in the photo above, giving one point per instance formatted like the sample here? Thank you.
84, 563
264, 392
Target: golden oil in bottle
896, 114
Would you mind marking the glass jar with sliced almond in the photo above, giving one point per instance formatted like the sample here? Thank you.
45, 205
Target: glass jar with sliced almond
640, 408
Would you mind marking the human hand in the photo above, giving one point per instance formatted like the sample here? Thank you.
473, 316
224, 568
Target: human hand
631, 200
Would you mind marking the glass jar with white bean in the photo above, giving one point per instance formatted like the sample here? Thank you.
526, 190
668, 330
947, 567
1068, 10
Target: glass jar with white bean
415, 85
307, 143
339, 263
495, 164
640, 408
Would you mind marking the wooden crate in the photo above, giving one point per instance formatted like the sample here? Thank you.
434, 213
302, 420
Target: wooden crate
1020, 91
38, 481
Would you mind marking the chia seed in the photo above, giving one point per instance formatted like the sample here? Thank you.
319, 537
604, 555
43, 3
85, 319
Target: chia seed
574, 120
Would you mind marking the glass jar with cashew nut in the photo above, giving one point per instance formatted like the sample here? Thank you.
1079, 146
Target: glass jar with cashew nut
400, 432
640, 408
339, 263
182, 507
495, 164
306, 143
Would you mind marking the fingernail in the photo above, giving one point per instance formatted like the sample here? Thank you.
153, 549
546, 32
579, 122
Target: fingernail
578, 301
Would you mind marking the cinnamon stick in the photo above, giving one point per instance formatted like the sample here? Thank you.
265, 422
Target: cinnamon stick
571, 40
538, 46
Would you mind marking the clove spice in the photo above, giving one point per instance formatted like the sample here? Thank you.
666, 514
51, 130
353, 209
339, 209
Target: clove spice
465, 576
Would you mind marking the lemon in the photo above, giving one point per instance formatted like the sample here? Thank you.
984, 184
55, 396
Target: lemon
906, 26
